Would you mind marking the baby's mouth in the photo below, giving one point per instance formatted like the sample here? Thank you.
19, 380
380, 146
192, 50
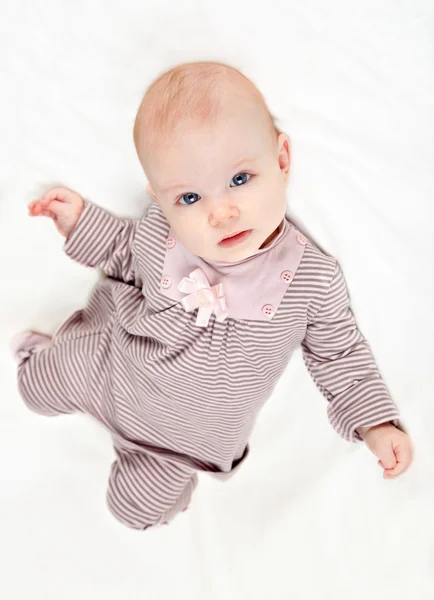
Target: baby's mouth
235, 238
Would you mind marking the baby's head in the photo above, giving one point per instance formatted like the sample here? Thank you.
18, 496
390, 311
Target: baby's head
214, 160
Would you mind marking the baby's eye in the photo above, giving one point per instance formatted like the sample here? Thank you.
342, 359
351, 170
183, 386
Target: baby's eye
240, 179
189, 198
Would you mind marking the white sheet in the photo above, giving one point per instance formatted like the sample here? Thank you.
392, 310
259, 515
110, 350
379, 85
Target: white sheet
309, 516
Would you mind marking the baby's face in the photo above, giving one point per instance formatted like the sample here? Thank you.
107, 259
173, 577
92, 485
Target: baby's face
216, 181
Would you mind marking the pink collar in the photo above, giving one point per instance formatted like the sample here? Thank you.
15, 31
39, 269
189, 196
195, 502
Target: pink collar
251, 289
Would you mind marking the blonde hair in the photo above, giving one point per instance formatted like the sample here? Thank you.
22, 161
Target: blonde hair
192, 91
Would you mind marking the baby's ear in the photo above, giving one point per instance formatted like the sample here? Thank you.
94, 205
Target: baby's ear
151, 192
284, 155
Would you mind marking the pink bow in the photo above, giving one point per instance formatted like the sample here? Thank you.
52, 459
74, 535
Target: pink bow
201, 295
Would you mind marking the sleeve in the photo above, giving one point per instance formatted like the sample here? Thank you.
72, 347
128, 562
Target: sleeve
341, 363
101, 240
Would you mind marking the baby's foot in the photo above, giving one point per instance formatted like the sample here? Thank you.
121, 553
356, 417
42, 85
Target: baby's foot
167, 522
27, 343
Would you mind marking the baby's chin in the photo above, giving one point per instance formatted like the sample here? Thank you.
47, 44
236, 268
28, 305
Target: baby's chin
227, 256
235, 254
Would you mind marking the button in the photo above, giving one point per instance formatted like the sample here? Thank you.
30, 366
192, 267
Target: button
170, 242
301, 240
166, 282
286, 275
268, 310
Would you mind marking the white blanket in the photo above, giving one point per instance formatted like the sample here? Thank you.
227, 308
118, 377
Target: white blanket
309, 516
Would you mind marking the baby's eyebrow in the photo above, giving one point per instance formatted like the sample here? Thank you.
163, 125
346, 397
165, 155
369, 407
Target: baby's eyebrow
177, 186
244, 161
180, 186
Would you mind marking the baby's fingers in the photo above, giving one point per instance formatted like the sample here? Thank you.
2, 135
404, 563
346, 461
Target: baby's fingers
59, 194
398, 470
38, 209
38, 206
403, 461
48, 208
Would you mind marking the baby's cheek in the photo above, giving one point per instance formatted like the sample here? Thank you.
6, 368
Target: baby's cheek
194, 242
192, 230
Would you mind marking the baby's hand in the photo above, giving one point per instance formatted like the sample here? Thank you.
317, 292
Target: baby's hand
61, 205
391, 445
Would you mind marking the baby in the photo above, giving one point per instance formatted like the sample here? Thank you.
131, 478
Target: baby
204, 301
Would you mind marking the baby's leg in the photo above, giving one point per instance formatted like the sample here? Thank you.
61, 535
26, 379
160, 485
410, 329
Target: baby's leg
145, 491
48, 380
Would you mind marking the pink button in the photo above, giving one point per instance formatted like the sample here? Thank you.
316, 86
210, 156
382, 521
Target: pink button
268, 310
286, 275
166, 282
170, 242
301, 240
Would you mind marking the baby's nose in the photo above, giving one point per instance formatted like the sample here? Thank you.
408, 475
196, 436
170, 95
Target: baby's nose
222, 212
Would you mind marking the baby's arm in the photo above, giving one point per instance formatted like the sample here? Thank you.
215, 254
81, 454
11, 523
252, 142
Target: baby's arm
94, 237
341, 364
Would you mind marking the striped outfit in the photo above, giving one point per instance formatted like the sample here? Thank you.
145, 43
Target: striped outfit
179, 398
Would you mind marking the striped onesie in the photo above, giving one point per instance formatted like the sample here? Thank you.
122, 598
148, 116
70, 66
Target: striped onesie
181, 396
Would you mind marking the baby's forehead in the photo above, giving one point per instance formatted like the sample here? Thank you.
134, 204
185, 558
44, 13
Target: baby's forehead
191, 96
228, 141
212, 112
